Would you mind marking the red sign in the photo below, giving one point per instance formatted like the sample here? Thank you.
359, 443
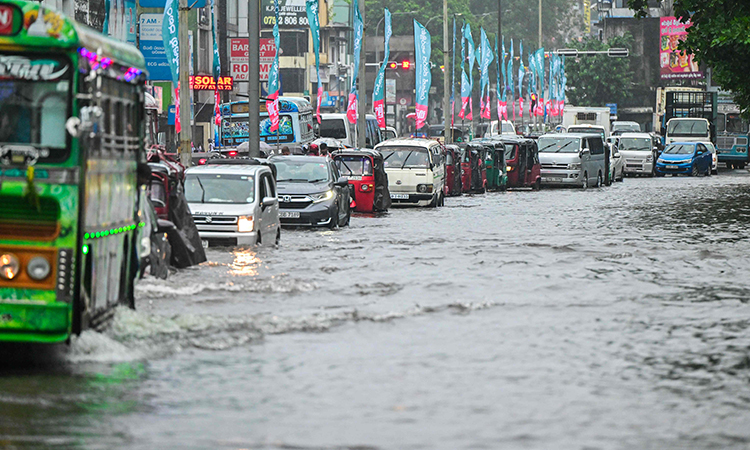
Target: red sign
207, 83
238, 59
9, 20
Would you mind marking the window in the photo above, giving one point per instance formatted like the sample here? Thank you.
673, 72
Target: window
333, 128
292, 79
293, 43
596, 145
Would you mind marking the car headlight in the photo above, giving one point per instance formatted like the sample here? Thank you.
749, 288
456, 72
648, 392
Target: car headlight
317, 198
574, 166
245, 224
508, 169
424, 188
38, 268
649, 158
9, 266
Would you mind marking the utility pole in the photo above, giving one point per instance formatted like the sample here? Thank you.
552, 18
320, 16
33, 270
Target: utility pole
253, 76
447, 131
186, 132
540, 23
362, 89
499, 20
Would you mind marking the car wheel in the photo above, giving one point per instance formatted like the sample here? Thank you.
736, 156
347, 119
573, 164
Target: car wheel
658, 174
258, 241
334, 223
694, 171
537, 185
585, 184
278, 236
348, 217
708, 171
599, 180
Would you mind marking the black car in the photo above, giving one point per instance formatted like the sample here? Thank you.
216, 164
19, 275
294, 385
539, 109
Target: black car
311, 191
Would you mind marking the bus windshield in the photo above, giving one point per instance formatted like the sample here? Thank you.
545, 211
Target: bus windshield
34, 103
735, 124
687, 128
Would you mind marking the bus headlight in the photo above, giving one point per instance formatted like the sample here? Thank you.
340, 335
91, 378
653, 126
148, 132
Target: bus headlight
9, 266
245, 224
38, 268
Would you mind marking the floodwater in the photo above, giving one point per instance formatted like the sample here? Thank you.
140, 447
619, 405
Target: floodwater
608, 319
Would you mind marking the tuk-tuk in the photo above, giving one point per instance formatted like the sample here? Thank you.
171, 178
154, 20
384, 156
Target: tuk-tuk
453, 182
366, 174
474, 163
495, 165
522, 160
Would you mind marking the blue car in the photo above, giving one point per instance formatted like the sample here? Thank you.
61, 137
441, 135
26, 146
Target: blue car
689, 158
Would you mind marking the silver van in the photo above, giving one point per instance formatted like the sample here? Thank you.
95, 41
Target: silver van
233, 204
572, 159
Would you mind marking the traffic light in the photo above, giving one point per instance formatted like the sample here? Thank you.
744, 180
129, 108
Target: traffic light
533, 101
406, 64
392, 65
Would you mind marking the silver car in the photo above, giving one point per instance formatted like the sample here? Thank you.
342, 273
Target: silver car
234, 204
637, 150
572, 159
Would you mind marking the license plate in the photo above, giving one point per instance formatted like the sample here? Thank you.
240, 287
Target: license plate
204, 243
672, 167
355, 178
289, 214
551, 178
400, 196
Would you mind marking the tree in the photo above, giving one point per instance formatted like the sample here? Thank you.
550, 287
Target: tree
599, 79
718, 38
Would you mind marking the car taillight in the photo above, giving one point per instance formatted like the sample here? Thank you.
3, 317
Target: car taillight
202, 161
232, 154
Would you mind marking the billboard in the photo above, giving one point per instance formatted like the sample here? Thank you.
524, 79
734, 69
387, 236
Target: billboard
152, 47
292, 14
238, 60
673, 63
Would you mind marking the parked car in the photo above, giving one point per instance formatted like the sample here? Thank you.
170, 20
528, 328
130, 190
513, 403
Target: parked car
311, 191
366, 174
416, 171
638, 153
572, 159
689, 158
522, 161
234, 203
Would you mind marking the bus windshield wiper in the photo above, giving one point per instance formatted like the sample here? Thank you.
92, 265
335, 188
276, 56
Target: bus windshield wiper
203, 190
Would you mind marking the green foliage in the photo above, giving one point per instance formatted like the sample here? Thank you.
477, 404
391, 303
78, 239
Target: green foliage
597, 80
719, 38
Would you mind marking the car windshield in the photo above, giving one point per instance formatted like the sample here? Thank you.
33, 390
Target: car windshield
680, 149
354, 165
626, 127
635, 144
507, 128
510, 151
219, 188
436, 131
559, 145
587, 130
403, 157
687, 128
333, 128
301, 171
34, 100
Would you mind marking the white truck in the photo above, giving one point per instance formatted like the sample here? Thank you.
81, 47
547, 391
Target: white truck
586, 115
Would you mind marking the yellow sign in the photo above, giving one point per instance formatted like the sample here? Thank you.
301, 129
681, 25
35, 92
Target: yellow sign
587, 16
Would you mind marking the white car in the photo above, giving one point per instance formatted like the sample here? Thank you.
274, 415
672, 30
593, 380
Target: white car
388, 133
714, 157
637, 152
416, 171
234, 203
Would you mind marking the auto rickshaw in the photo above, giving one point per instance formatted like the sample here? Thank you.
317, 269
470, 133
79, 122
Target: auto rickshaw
522, 161
473, 162
497, 178
453, 179
366, 174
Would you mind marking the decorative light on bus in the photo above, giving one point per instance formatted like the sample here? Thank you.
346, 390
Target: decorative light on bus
96, 61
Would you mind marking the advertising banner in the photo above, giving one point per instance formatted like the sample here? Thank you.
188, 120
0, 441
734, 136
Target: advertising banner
238, 59
378, 91
169, 35
152, 47
351, 109
274, 84
673, 63
292, 14
312, 18
422, 48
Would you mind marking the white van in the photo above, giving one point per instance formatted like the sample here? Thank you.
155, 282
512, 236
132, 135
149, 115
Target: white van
638, 151
416, 171
234, 204
571, 159
337, 126
493, 129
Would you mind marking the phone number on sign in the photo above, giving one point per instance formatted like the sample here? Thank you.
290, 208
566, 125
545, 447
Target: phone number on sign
286, 20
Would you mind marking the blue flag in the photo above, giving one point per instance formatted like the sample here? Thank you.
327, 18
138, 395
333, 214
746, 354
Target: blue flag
378, 89
351, 109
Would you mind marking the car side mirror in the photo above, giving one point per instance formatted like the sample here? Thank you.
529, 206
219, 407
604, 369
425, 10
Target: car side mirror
341, 182
268, 201
164, 226
617, 154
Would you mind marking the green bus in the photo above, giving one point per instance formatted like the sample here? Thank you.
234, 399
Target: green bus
71, 149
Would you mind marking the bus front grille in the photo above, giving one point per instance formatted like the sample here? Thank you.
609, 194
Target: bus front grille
23, 218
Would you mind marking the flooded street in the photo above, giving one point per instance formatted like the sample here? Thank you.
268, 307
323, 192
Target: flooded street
612, 318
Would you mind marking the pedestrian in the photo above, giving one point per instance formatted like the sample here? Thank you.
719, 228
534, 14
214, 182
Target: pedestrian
285, 150
323, 149
210, 145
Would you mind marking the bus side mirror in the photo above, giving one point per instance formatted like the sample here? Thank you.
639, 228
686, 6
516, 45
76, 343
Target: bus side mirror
72, 126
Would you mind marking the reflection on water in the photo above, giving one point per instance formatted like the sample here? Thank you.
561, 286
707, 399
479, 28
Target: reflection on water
246, 262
